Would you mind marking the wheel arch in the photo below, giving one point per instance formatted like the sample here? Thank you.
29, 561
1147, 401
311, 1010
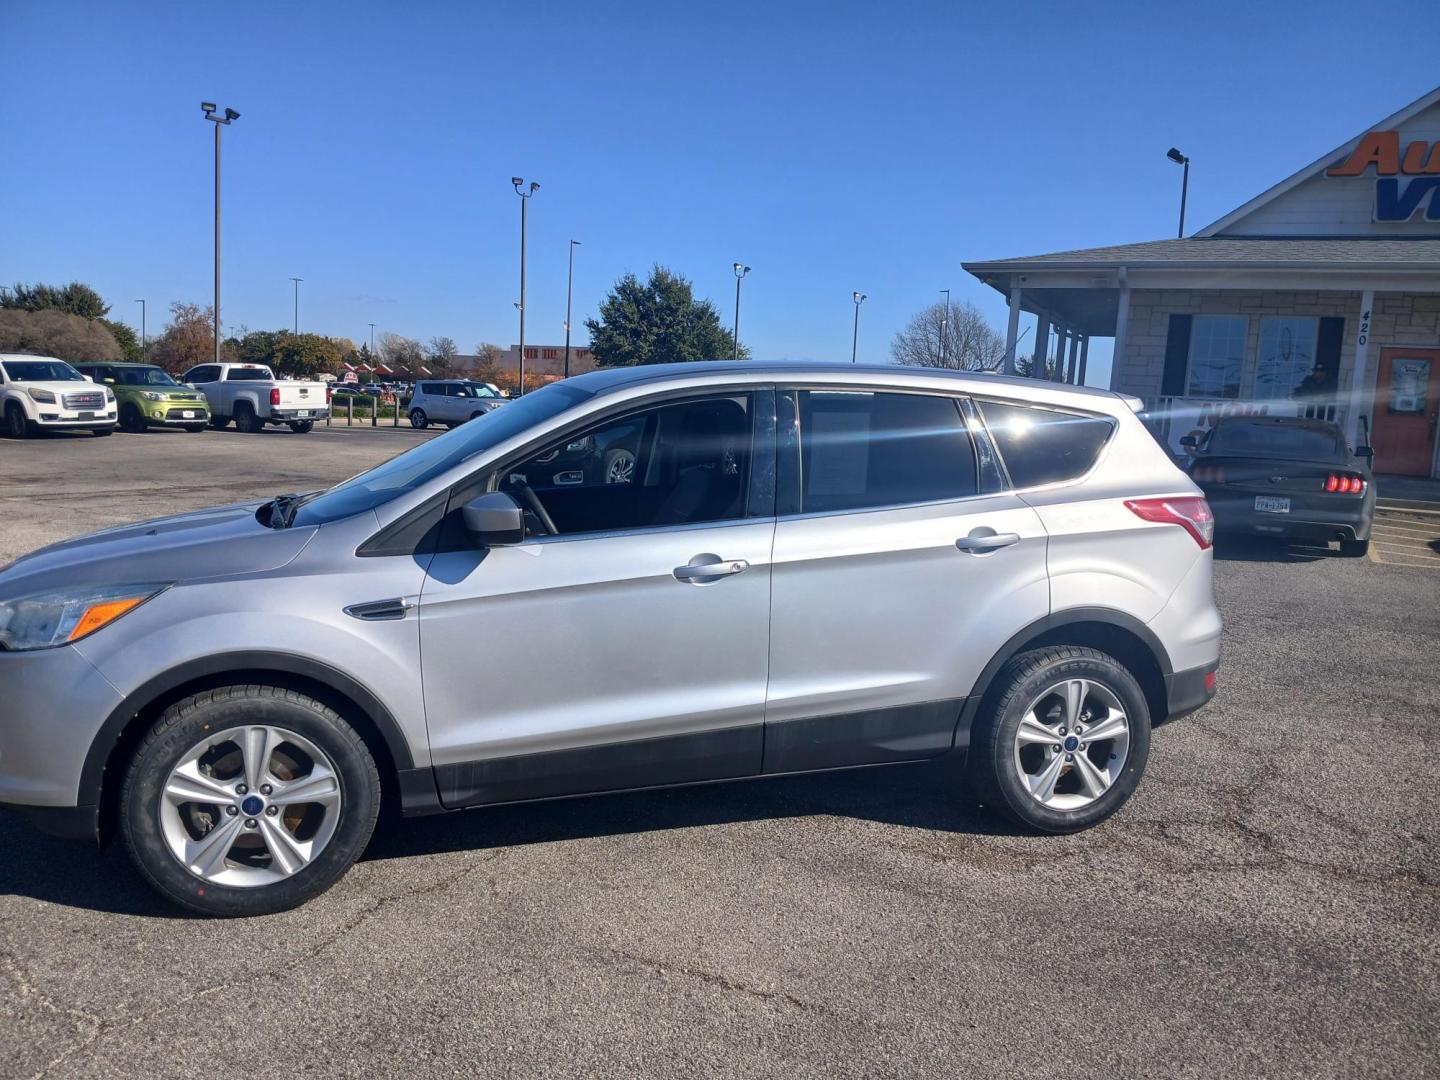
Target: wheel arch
127, 724
1114, 632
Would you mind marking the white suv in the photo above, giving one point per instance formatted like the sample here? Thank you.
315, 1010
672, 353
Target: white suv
40, 392
451, 402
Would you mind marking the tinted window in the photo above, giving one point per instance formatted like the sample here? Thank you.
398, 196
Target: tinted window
862, 449
202, 374
682, 463
1270, 439
247, 374
1042, 446
429, 388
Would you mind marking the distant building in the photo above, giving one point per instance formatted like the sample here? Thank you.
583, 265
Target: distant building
546, 360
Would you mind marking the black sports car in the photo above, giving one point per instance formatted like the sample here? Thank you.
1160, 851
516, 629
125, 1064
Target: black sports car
1286, 477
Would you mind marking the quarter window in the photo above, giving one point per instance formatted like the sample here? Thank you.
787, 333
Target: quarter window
860, 450
1217, 356
1043, 446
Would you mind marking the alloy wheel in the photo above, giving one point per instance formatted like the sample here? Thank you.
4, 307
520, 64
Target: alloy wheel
250, 806
1072, 744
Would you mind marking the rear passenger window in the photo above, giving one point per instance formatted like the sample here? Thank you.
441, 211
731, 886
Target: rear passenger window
1042, 446
860, 450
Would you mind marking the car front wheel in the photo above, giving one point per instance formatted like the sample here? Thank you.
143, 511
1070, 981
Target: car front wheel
418, 419
1061, 740
16, 426
248, 800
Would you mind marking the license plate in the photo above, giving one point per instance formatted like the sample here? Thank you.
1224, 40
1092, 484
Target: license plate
87, 416
303, 412
1272, 505
187, 414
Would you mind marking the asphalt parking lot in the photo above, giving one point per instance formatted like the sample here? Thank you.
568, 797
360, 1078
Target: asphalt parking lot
1266, 905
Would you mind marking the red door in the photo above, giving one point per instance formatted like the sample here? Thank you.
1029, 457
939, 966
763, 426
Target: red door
1407, 407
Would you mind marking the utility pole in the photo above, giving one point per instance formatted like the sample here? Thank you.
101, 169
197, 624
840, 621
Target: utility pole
525, 197
945, 329
1183, 161
740, 271
569, 295
229, 117
297, 281
142, 328
859, 298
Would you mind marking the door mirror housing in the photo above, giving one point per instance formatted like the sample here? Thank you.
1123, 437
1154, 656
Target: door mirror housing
1367, 452
1190, 441
494, 520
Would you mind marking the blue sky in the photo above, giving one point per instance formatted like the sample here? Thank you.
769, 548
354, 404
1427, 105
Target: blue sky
833, 147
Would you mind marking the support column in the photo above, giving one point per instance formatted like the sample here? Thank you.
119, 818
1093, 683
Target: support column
1042, 347
1072, 359
1012, 332
1122, 322
1084, 356
1360, 371
1062, 342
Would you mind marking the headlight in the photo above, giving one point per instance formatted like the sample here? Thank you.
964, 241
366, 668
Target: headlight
151, 395
43, 396
58, 618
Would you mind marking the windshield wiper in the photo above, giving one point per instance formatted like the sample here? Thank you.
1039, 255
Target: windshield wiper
282, 508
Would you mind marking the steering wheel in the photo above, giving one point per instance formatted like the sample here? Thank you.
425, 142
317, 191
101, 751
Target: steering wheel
531, 500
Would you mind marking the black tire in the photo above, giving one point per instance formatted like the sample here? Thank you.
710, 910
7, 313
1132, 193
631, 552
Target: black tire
302, 427
101, 432
418, 419
219, 423
991, 760
246, 421
1355, 549
181, 727
16, 426
131, 419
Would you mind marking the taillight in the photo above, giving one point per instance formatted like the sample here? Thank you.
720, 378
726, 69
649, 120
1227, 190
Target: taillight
1208, 474
275, 395
1191, 514
1344, 484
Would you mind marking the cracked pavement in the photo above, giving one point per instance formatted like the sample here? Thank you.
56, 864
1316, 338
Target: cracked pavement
1266, 905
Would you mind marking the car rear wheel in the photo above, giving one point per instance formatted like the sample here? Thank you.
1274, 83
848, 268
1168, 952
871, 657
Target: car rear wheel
418, 419
619, 466
16, 426
1355, 549
302, 427
1061, 740
248, 800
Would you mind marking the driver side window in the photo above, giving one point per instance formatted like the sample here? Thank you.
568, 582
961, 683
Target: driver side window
682, 463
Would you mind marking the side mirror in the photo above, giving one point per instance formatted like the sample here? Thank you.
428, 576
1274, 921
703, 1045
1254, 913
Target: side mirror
1367, 452
111, 382
1190, 441
494, 520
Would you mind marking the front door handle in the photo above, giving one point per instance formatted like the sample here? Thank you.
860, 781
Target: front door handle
714, 568
978, 544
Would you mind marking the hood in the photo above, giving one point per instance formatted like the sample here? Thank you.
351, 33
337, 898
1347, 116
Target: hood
220, 542
62, 386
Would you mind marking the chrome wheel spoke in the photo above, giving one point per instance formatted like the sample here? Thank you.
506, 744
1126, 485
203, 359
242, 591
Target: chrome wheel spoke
1042, 784
1075, 694
1033, 730
289, 854
320, 785
1114, 724
188, 784
1095, 782
257, 748
207, 855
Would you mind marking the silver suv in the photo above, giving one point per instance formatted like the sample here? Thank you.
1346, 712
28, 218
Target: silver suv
451, 402
808, 567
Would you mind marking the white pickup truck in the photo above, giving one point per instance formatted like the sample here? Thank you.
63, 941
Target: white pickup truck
250, 395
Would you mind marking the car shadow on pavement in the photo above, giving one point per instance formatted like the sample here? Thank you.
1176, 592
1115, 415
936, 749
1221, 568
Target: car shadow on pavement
1259, 549
929, 796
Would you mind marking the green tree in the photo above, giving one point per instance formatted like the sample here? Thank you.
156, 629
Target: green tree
128, 340
73, 299
306, 355
657, 322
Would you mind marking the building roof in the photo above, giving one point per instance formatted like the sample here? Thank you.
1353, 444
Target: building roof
1237, 251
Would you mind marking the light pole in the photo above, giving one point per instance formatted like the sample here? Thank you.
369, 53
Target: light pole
372, 339
297, 281
142, 328
1180, 159
229, 117
855, 338
740, 271
944, 327
569, 295
525, 197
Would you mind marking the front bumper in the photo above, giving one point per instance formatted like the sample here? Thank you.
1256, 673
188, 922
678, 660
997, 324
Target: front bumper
53, 703
49, 417
173, 412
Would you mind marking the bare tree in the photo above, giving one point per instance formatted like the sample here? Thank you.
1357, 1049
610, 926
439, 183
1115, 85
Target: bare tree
189, 339
967, 342
440, 354
401, 353
51, 332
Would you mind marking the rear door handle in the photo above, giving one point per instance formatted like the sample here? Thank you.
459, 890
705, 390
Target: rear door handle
979, 544
708, 571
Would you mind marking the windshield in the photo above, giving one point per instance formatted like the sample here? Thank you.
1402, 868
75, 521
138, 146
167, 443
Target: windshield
422, 464
147, 376
1261, 439
481, 390
41, 371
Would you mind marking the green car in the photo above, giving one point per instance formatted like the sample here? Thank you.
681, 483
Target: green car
147, 395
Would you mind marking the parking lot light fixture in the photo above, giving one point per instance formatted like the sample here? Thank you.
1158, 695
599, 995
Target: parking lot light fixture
229, 116
1180, 159
859, 298
142, 328
525, 197
297, 282
740, 271
569, 295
